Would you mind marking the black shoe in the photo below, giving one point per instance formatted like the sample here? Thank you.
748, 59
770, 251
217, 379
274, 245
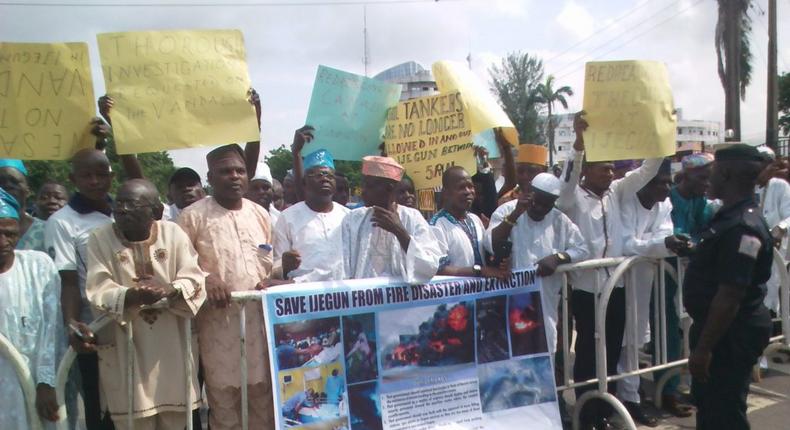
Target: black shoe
638, 414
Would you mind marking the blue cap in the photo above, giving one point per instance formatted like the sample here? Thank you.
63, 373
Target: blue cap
320, 158
16, 164
9, 207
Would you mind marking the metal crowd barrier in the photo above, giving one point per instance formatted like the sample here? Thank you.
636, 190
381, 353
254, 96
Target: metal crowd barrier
619, 268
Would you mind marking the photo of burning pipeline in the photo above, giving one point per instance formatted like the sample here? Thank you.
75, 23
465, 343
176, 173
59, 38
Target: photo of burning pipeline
525, 320
427, 337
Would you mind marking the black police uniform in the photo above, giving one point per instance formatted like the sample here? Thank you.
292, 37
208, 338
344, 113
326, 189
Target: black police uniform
735, 249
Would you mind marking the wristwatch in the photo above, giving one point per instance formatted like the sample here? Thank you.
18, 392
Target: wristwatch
176, 290
562, 257
478, 270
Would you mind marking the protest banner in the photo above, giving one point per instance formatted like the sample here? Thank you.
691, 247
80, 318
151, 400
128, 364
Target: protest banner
427, 135
177, 89
462, 353
46, 100
348, 112
630, 111
484, 111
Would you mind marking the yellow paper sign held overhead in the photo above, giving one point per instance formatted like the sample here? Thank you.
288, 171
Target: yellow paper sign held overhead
427, 135
484, 111
630, 111
177, 89
46, 100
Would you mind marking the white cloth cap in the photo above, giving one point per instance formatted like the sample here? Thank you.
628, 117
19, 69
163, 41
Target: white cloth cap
547, 183
263, 172
767, 151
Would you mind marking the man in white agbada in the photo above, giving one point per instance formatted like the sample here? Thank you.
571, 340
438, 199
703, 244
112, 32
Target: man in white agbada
384, 238
307, 236
540, 235
135, 262
593, 204
648, 232
774, 195
459, 232
31, 321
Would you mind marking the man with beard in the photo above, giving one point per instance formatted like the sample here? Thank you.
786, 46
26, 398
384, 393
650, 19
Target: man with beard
138, 261
385, 238
540, 235
308, 237
232, 236
460, 232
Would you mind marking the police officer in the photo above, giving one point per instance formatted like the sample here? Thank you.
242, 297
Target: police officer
723, 292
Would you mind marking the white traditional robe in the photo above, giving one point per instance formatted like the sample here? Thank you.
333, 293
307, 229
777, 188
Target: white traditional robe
532, 240
370, 252
32, 322
159, 337
598, 218
318, 239
775, 204
644, 232
455, 243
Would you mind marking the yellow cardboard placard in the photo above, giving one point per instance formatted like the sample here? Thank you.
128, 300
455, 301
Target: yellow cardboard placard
427, 135
484, 111
629, 109
46, 100
177, 89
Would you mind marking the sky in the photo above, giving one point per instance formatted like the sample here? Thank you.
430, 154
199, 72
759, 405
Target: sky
287, 40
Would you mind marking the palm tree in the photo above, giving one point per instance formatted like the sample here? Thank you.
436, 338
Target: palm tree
733, 51
547, 95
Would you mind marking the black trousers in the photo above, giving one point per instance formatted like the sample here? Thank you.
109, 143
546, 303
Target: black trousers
95, 418
721, 401
583, 304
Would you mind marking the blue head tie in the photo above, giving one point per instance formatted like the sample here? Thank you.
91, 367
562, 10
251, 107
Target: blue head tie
320, 158
9, 207
16, 164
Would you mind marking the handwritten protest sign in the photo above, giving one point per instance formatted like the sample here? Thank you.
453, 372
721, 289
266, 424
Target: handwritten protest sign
427, 135
630, 111
484, 111
46, 100
177, 89
348, 112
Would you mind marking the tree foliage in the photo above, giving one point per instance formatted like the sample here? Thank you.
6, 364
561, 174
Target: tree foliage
514, 82
784, 103
157, 168
547, 95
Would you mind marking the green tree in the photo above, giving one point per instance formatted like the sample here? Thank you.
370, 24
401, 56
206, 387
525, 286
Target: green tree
514, 82
784, 103
546, 95
734, 55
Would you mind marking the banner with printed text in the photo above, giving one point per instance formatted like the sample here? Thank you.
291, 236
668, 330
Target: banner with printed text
46, 100
177, 89
427, 135
461, 353
630, 111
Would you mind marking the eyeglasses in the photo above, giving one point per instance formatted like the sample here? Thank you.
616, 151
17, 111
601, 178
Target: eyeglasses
320, 174
129, 205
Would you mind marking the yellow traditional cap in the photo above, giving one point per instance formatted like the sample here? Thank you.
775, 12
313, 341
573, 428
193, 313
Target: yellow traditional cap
532, 154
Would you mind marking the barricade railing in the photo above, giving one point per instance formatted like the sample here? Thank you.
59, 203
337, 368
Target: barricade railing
618, 269
102, 321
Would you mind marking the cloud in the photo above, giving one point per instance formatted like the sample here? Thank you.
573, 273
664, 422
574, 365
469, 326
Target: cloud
576, 20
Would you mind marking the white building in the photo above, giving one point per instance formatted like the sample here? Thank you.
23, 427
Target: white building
692, 135
415, 79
